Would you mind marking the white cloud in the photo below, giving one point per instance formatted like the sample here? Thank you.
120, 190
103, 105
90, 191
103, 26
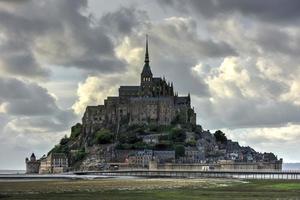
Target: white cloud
93, 91
283, 141
2, 107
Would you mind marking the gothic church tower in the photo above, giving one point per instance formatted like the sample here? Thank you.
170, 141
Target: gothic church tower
146, 75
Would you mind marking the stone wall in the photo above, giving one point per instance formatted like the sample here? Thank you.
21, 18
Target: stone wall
222, 165
32, 167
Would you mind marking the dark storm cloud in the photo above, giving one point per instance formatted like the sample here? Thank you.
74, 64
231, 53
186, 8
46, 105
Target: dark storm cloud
176, 47
31, 106
241, 113
268, 10
28, 99
38, 33
275, 40
265, 34
124, 20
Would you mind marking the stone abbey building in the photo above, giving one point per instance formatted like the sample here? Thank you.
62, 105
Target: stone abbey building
152, 102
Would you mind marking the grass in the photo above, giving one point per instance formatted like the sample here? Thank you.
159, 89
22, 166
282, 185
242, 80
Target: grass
149, 189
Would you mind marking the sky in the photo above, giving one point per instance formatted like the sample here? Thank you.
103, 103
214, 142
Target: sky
239, 59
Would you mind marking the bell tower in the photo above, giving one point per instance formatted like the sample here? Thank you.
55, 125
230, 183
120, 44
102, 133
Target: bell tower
146, 75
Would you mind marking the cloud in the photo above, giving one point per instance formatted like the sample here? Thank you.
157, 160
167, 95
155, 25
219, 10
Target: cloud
30, 119
124, 21
35, 35
267, 10
283, 141
93, 91
25, 98
170, 39
29, 106
241, 98
238, 59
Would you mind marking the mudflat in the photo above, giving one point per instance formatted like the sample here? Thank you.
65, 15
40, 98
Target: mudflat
148, 189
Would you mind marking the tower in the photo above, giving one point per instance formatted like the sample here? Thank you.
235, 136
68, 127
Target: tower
146, 75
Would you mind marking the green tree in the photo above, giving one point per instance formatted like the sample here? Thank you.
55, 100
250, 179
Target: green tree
179, 150
75, 131
177, 135
64, 140
104, 136
80, 154
220, 136
191, 143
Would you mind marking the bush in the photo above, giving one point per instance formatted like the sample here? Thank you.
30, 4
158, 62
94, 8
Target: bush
140, 145
104, 136
124, 146
220, 136
129, 137
64, 140
191, 143
80, 155
136, 127
75, 131
60, 149
179, 151
177, 135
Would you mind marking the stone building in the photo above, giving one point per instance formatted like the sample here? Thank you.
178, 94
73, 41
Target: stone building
140, 158
143, 158
53, 163
32, 165
152, 102
153, 138
192, 155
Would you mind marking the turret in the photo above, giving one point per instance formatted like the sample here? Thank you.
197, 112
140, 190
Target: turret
32, 157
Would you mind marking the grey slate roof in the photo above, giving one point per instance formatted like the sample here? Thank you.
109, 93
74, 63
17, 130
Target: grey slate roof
146, 70
131, 88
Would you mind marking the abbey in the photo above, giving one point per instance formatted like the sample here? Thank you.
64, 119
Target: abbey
152, 102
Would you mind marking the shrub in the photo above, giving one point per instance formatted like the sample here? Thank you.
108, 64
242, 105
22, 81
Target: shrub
76, 130
179, 150
80, 155
140, 145
103, 136
191, 143
220, 136
124, 146
64, 140
177, 135
59, 149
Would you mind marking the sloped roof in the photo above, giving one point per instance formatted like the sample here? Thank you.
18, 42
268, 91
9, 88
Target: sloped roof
131, 88
146, 70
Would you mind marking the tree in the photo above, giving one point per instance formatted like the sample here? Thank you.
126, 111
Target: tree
80, 154
103, 136
220, 136
75, 131
64, 140
191, 143
179, 151
177, 135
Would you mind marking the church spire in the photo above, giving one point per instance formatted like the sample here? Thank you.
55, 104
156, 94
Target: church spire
147, 53
146, 69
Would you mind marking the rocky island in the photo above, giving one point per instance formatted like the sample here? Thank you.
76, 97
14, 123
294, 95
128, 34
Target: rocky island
147, 126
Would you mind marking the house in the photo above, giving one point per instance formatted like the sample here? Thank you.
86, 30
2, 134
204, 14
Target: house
53, 163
